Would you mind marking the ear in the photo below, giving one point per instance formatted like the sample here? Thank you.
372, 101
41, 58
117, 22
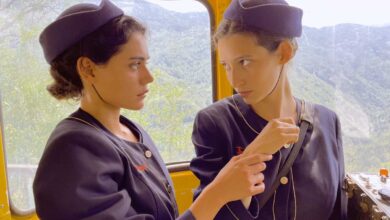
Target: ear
85, 68
286, 51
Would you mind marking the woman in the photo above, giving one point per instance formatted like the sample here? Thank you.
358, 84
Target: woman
256, 42
98, 164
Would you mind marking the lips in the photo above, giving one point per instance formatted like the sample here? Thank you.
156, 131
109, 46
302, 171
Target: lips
143, 93
244, 93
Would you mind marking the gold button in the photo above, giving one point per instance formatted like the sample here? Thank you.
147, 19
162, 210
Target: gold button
284, 180
148, 154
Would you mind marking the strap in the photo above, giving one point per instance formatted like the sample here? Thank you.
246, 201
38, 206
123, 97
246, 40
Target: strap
306, 120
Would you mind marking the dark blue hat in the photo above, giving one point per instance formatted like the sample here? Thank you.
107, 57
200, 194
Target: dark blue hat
273, 16
73, 25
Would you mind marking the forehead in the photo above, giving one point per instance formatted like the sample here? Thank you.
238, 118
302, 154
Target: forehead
136, 45
238, 44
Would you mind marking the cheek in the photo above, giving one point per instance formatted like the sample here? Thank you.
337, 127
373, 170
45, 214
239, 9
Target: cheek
265, 72
120, 85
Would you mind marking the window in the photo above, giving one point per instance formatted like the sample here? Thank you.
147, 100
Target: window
343, 62
182, 86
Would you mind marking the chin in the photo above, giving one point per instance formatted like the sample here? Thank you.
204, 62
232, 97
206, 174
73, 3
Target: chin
252, 100
139, 107
134, 106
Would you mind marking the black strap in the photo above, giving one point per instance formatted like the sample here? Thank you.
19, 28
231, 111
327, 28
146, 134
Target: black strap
306, 120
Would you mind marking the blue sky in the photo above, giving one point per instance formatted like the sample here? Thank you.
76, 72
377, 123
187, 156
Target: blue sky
317, 13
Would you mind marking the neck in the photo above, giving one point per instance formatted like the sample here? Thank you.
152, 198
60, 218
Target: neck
279, 104
106, 114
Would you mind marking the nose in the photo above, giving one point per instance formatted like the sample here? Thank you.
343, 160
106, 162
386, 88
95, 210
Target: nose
235, 78
146, 76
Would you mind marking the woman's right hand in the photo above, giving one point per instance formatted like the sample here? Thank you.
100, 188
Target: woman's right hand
275, 134
241, 177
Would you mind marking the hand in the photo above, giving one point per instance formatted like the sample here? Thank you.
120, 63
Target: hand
276, 133
241, 177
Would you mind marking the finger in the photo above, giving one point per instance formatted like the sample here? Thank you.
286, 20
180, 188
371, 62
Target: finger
258, 178
290, 138
256, 168
288, 120
235, 158
257, 189
289, 130
258, 158
255, 158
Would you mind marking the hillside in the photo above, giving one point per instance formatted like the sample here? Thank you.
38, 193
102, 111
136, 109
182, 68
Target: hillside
345, 68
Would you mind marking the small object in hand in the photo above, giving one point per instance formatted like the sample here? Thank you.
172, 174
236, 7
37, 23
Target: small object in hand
286, 146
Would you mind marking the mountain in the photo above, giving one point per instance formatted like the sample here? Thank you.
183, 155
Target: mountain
345, 67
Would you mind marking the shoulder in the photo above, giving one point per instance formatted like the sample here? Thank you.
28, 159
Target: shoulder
72, 137
325, 119
322, 112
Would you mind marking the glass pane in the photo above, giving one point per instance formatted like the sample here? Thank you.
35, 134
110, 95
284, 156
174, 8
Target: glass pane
343, 62
180, 61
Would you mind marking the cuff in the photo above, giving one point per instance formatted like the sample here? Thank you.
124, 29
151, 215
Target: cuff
187, 215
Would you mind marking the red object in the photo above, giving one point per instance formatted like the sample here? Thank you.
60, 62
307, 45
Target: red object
384, 172
239, 150
141, 167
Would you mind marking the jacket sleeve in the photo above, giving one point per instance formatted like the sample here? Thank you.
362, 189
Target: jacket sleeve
212, 145
187, 215
341, 206
79, 177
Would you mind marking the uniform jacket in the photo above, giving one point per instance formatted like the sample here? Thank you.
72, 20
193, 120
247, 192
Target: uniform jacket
86, 172
314, 190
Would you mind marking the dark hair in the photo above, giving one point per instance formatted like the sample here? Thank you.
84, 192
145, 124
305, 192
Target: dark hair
99, 46
267, 40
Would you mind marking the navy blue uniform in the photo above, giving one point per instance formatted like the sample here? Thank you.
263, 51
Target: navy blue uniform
86, 172
314, 189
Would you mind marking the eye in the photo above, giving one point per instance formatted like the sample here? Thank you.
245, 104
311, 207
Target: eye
135, 66
227, 67
244, 62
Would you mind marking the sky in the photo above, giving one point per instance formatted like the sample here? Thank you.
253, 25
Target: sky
317, 13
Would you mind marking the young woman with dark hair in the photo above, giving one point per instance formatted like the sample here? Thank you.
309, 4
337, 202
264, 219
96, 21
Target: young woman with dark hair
256, 42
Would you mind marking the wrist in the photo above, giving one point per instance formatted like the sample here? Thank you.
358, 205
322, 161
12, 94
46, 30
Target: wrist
208, 203
215, 195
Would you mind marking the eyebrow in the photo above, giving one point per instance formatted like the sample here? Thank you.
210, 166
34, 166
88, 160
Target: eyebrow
238, 58
242, 57
139, 58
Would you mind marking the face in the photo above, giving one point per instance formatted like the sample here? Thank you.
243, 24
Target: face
122, 81
251, 69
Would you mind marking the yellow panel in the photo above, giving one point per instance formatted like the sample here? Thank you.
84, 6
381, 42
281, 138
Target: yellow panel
185, 183
5, 213
223, 87
29, 217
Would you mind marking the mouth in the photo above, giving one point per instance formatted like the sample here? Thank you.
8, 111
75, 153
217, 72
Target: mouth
143, 94
244, 93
